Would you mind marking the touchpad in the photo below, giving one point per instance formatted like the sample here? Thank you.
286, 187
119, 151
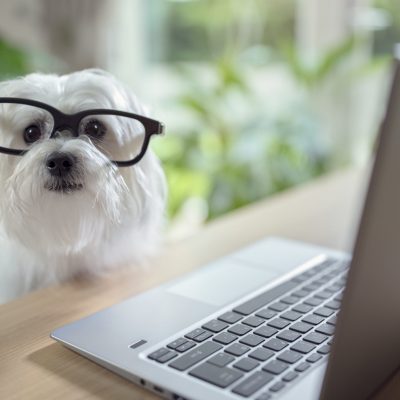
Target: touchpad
222, 282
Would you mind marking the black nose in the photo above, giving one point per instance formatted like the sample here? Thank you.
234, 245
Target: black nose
60, 164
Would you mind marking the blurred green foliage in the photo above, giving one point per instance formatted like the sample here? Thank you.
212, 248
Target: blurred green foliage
13, 61
229, 160
234, 151
313, 74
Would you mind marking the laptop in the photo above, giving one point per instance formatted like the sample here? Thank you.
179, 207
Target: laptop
264, 322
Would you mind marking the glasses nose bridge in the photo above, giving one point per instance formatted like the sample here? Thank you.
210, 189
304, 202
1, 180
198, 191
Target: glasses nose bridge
63, 123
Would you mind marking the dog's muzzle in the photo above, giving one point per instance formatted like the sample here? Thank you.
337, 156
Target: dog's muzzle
62, 168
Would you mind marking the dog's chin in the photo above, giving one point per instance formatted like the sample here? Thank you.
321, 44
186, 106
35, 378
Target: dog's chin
63, 186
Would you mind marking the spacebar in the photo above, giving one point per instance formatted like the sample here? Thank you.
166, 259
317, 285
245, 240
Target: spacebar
265, 298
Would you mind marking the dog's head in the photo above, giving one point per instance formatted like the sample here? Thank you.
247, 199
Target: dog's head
64, 194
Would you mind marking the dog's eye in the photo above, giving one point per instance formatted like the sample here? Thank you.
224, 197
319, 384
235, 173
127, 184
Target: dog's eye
94, 128
32, 133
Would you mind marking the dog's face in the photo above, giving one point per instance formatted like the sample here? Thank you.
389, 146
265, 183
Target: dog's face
64, 194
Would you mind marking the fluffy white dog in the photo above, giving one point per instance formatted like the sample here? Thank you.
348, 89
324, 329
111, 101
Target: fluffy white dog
66, 210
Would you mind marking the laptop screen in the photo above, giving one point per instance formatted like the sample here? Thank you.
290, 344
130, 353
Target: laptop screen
366, 348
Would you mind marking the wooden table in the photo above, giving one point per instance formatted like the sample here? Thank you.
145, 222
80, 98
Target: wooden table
32, 366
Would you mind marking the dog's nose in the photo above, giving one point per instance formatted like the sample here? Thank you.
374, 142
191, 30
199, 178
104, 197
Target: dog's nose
60, 164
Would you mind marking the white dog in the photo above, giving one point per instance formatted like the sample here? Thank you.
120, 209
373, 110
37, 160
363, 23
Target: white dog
66, 210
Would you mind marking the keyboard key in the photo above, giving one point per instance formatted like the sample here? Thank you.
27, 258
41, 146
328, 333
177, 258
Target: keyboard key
321, 281
290, 376
291, 315
185, 346
311, 287
324, 294
302, 308
264, 298
237, 349
252, 384
275, 344
302, 367
162, 355
275, 367
301, 327
194, 356
221, 359
264, 396
261, 354
300, 278
277, 387
157, 354
334, 288
253, 321
266, 313
251, 340
215, 326
218, 376
323, 312
333, 274
289, 356
278, 323
313, 319
339, 297
303, 347
324, 349
166, 357
332, 321
239, 329
225, 338
278, 306
246, 364
195, 333
176, 343
333, 304
230, 317
289, 336
265, 331
290, 300
300, 293
202, 337
326, 329
332, 262
314, 358
315, 338
313, 301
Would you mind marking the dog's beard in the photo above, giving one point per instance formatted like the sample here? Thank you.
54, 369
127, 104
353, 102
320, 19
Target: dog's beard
64, 214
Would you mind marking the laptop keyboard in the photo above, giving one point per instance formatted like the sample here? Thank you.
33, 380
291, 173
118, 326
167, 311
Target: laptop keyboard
266, 343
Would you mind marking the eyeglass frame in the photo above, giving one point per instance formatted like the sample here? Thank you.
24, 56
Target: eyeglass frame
71, 122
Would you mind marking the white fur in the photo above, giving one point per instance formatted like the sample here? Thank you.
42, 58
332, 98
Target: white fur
116, 219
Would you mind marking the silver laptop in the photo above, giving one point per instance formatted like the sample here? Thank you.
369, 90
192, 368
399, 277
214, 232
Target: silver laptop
259, 323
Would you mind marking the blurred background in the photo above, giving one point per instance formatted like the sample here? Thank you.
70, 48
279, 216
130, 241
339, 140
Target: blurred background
257, 95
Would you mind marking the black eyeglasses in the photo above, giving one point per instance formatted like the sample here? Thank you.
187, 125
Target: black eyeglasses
122, 136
